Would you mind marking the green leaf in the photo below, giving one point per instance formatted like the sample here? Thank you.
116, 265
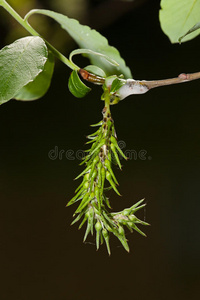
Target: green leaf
87, 38
177, 17
90, 52
95, 70
116, 84
37, 88
194, 28
76, 86
20, 63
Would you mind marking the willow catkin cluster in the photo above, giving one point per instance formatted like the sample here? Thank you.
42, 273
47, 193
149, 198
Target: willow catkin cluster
97, 178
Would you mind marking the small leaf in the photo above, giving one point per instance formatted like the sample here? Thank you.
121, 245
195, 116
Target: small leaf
194, 28
76, 86
116, 84
95, 70
88, 38
77, 218
177, 17
38, 88
90, 52
20, 63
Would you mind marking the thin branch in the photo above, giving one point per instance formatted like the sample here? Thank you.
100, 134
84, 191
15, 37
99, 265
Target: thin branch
91, 77
180, 79
149, 84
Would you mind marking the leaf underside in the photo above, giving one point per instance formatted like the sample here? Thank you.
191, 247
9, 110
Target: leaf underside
194, 28
20, 63
89, 38
38, 88
178, 17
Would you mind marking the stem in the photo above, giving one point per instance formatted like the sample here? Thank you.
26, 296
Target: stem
107, 103
86, 75
149, 84
17, 17
91, 77
24, 23
133, 87
180, 79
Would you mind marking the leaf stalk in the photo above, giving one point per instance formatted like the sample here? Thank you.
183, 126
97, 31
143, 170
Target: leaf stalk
24, 23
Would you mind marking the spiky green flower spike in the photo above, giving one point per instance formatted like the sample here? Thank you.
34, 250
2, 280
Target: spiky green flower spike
97, 178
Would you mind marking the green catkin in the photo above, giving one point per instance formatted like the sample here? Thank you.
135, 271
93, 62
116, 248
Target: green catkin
98, 178
98, 228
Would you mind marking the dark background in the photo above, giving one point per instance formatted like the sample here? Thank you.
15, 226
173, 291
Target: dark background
42, 257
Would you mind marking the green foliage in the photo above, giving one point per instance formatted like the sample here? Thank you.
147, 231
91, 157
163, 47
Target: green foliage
20, 63
95, 70
98, 178
194, 28
76, 86
177, 17
26, 68
93, 53
39, 86
90, 39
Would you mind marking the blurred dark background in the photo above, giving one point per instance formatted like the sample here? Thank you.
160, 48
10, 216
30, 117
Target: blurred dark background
42, 257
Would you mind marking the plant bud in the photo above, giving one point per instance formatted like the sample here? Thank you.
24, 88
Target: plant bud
121, 230
105, 233
91, 219
97, 195
87, 214
92, 196
98, 226
126, 212
103, 175
115, 155
86, 185
107, 164
132, 218
122, 221
114, 141
86, 176
130, 224
109, 156
94, 174
109, 178
106, 238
